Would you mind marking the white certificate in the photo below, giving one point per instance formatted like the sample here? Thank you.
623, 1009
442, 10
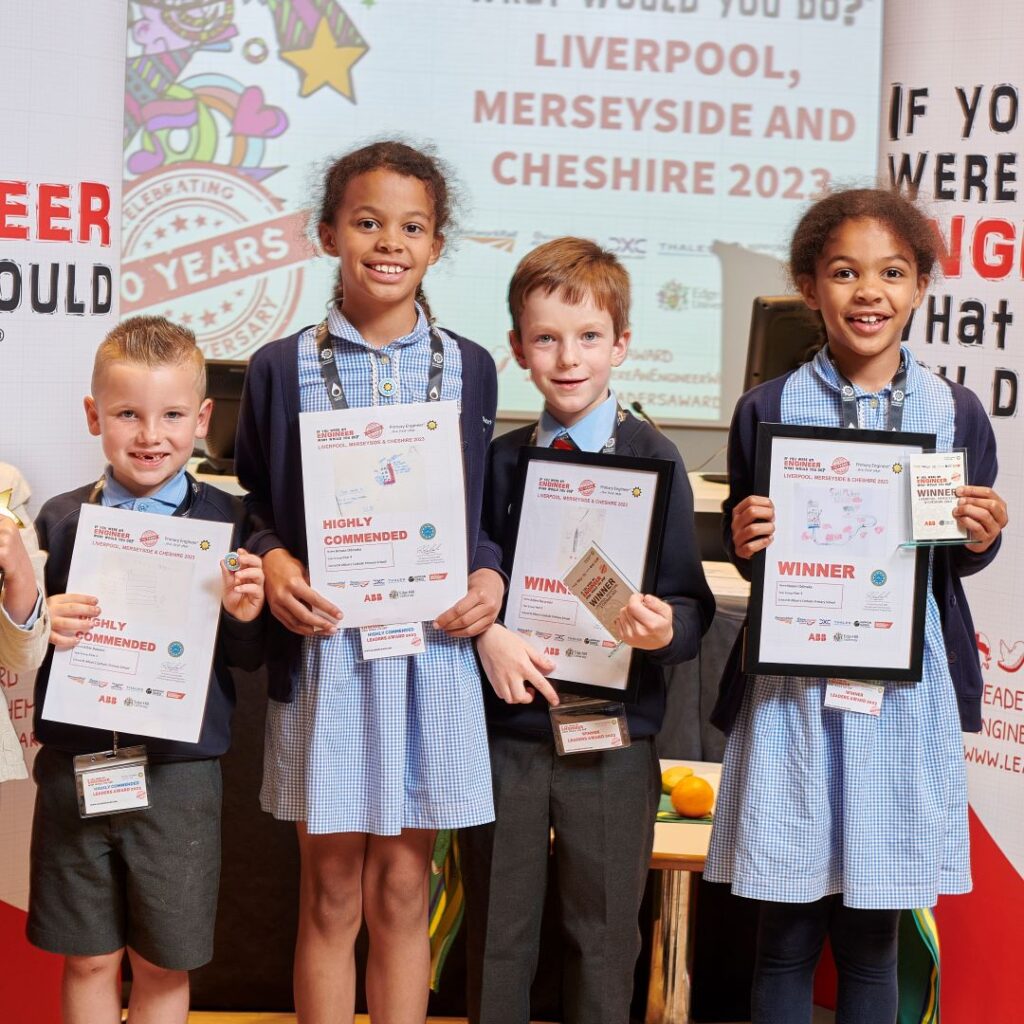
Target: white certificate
572, 501
385, 510
934, 478
836, 594
144, 668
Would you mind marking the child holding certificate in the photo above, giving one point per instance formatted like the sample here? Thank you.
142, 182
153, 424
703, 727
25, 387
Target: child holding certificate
24, 623
144, 880
569, 302
835, 818
369, 755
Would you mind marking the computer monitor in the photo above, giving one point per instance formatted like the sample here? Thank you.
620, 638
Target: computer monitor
784, 333
224, 379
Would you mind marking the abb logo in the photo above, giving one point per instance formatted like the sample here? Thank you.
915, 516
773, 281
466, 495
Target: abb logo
817, 637
373, 597
553, 651
107, 699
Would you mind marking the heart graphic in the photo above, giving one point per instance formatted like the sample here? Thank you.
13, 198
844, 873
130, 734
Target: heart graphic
255, 119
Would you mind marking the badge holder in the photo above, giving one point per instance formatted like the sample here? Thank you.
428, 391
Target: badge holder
112, 781
582, 724
931, 477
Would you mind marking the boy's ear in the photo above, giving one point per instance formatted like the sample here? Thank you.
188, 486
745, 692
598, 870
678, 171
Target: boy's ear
327, 241
922, 286
620, 347
203, 420
517, 348
805, 285
92, 415
436, 248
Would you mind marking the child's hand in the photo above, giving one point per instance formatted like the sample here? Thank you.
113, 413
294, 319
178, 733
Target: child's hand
292, 599
20, 590
645, 622
71, 614
514, 668
243, 589
753, 524
984, 515
478, 609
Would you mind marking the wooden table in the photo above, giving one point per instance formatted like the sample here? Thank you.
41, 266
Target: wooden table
680, 849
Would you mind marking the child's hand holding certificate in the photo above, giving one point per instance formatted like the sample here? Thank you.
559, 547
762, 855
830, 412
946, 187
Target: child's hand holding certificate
600, 586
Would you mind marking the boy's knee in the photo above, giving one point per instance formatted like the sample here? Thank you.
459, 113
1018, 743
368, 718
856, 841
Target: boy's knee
88, 968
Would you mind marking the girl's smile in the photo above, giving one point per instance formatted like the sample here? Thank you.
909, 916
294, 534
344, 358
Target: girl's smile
866, 285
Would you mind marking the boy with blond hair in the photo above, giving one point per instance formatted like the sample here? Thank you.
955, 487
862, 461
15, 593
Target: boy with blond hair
569, 302
144, 881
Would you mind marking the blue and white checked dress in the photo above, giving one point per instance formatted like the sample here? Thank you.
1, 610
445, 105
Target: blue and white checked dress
814, 801
379, 746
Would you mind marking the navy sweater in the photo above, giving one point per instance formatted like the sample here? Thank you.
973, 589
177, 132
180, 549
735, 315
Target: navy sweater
680, 579
238, 643
971, 430
269, 467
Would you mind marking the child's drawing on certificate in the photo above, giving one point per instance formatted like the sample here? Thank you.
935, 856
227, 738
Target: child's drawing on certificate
373, 481
581, 527
140, 581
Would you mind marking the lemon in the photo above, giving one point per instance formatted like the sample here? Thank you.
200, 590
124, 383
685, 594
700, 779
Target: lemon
670, 776
693, 797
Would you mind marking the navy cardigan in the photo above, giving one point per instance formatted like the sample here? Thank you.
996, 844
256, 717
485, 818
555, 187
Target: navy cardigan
971, 430
269, 467
680, 579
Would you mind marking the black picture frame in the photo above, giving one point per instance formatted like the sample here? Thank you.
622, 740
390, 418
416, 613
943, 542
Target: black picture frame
663, 471
752, 662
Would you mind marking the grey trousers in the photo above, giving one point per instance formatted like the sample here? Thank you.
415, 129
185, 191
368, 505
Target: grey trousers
601, 807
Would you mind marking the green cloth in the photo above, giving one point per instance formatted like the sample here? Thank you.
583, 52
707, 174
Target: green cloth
447, 902
918, 968
666, 812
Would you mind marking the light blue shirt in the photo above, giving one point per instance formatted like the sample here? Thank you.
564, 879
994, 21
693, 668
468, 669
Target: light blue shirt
590, 434
163, 503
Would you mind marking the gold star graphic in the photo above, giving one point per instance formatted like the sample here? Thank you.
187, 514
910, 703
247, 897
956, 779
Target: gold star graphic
6, 511
636, 492
897, 467
323, 62
204, 545
431, 424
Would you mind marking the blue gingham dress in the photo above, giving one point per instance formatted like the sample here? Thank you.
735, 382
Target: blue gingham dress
817, 801
379, 746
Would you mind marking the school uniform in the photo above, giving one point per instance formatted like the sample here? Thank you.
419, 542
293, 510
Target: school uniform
815, 801
146, 879
393, 743
601, 805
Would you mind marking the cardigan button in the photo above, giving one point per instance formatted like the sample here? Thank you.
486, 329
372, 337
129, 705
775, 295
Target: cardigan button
952, 657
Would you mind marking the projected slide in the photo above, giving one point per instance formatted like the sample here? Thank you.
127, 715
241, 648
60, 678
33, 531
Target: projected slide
685, 135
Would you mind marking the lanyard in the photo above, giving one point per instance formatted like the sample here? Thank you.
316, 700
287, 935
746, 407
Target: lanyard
897, 394
332, 381
608, 448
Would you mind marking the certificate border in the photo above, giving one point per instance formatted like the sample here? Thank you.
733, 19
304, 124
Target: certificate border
663, 471
766, 434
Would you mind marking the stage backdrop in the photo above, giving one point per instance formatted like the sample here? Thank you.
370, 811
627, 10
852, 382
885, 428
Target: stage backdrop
61, 78
683, 135
951, 126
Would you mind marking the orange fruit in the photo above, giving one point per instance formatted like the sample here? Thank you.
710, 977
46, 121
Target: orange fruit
693, 797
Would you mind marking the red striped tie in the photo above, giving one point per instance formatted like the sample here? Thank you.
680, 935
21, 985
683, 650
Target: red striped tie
564, 443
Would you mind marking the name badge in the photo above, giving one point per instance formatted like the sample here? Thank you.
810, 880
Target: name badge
582, 724
395, 641
112, 781
854, 695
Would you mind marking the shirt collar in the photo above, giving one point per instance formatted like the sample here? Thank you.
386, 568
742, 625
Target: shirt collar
341, 327
829, 373
164, 502
590, 434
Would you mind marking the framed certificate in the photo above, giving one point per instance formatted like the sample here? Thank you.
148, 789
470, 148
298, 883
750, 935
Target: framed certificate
837, 593
564, 504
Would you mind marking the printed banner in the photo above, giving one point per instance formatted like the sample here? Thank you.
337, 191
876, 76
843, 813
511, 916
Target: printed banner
951, 129
683, 136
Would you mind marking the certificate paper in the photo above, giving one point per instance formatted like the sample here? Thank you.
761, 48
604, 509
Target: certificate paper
934, 478
835, 594
385, 510
568, 502
145, 668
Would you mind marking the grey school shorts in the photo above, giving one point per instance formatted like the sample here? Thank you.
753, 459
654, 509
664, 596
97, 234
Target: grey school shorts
145, 879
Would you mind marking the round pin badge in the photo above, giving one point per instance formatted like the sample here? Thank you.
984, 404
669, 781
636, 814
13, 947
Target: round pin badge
232, 561
387, 386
